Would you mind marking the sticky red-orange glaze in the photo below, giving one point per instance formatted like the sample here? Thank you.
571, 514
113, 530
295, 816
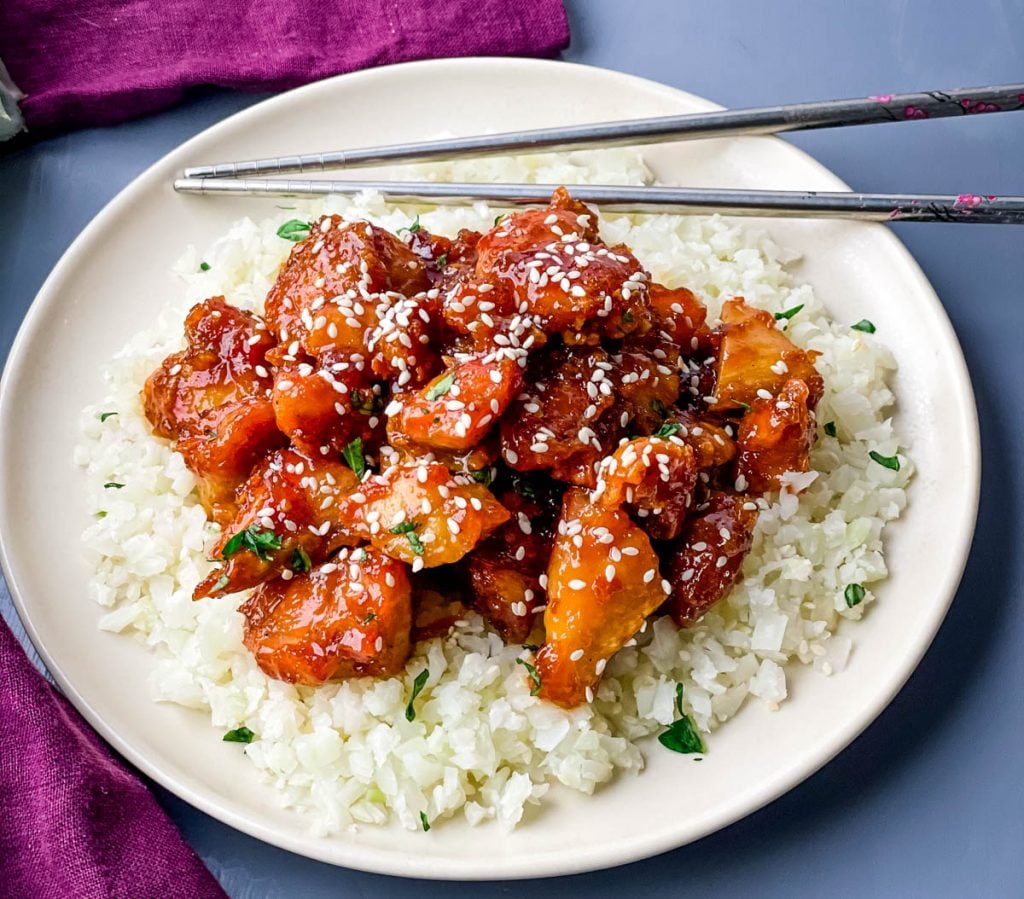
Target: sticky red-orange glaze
523, 423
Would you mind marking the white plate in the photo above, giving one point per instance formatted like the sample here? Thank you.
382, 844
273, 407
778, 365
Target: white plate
113, 278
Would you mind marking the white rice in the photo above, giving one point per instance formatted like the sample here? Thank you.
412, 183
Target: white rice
480, 745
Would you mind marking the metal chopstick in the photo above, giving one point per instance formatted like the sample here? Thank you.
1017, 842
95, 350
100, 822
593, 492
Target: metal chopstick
962, 208
724, 123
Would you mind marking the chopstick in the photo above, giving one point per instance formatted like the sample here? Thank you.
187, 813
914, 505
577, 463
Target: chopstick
962, 208
724, 123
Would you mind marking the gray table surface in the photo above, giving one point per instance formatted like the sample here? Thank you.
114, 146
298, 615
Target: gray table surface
930, 800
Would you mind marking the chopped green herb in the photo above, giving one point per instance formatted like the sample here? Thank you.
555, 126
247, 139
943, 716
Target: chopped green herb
890, 462
865, 326
239, 735
363, 555
659, 408
406, 527
253, 539
669, 429
483, 476
523, 487
285, 207
417, 688
441, 387
788, 314
627, 317
424, 821
413, 228
534, 676
114, 485
682, 735
498, 218
854, 595
409, 529
301, 561
101, 514
204, 266
222, 582
830, 428
295, 230
370, 616
354, 458
359, 404
744, 406
442, 262
105, 415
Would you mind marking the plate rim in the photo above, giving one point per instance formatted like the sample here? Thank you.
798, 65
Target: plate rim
584, 860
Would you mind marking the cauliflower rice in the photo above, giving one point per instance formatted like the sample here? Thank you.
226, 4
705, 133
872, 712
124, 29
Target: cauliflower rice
480, 745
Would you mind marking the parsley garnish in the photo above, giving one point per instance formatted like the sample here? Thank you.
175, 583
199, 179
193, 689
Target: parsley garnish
239, 735
253, 539
659, 407
442, 262
295, 230
114, 485
441, 387
370, 616
424, 821
854, 595
413, 228
744, 406
534, 676
668, 429
367, 407
498, 218
204, 266
483, 476
101, 514
105, 415
409, 529
830, 428
627, 317
865, 326
354, 457
682, 735
222, 582
417, 688
523, 487
301, 561
890, 462
788, 314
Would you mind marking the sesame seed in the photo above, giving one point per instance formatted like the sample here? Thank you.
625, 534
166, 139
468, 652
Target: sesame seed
600, 666
649, 575
577, 584
576, 655
764, 394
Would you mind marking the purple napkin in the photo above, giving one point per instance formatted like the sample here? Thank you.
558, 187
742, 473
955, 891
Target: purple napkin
74, 822
96, 62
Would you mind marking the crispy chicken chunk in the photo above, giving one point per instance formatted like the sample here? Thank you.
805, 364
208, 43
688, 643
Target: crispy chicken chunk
756, 356
706, 560
456, 409
349, 617
421, 514
603, 582
776, 436
655, 478
288, 518
327, 295
213, 398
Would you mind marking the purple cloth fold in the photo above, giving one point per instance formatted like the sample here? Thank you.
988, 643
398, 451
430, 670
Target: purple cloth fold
75, 822
96, 62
